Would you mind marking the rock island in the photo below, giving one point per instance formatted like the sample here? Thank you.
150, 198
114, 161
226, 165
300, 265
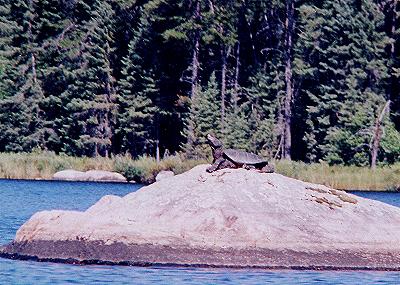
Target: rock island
228, 218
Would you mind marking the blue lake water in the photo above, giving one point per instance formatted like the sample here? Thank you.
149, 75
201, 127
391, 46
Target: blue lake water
20, 199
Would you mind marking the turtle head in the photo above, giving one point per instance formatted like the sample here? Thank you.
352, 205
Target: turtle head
213, 141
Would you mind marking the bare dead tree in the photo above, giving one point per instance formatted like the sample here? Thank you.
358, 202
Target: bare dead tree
237, 72
378, 134
289, 27
225, 51
194, 67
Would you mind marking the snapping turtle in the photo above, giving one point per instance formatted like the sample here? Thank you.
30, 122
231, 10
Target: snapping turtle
233, 158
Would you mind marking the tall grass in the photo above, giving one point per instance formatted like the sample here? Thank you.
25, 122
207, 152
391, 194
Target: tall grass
385, 178
43, 165
144, 169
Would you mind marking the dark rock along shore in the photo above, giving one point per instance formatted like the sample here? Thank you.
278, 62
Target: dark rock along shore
230, 218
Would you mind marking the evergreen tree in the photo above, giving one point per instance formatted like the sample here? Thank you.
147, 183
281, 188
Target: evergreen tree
390, 145
19, 82
348, 72
293, 79
205, 118
92, 95
138, 97
265, 97
220, 30
53, 27
7, 30
237, 130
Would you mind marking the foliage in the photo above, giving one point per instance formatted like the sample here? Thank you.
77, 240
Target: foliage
141, 78
346, 77
384, 178
205, 117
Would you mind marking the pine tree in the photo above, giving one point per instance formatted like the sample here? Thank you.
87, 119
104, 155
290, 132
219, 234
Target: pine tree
304, 82
221, 26
205, 118
138, 95
7, 31
92, 95
186, 26
20, 82
348, 72
390, 145
53, 27
265, 97
237, 130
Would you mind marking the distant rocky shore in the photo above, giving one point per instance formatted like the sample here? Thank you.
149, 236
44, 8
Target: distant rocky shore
90, 175
231, 218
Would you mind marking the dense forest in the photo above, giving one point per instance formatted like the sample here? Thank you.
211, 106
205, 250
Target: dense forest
304, 80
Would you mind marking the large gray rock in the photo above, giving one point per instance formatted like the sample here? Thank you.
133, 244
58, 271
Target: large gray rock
70, 175
91, 175
101, 175
164, 175
232, 217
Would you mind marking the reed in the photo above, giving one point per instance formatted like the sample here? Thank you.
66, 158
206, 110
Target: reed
384, 178
43, 165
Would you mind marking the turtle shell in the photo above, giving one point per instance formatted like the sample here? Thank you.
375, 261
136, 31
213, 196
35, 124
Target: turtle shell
244, 157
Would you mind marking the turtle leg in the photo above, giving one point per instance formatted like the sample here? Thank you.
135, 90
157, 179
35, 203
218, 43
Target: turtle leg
248, 167
216, 165
228, 164
268, 168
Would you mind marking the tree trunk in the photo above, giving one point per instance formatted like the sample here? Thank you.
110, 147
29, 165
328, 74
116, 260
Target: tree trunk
195, 71
236, 83
287, 135
393, 27
394, 80
195, 66
31, 40
33, 65
211, 6
195, 54
225, 54
378, 132
157, 151
248, 25
96, 150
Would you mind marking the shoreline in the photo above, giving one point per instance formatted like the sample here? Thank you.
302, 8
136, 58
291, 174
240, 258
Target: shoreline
42, 166
98, 253
73, 181
144, 184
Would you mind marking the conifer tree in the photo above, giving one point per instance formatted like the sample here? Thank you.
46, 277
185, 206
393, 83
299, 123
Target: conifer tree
220, 29
7, 31
53, 27
237, 130
20, 82
347, 79
265, 97
187, 27
138, 95
205, 118
92, 94
293, 79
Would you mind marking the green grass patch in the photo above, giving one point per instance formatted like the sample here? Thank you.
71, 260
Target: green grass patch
385, 178
144, 169
44, 165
